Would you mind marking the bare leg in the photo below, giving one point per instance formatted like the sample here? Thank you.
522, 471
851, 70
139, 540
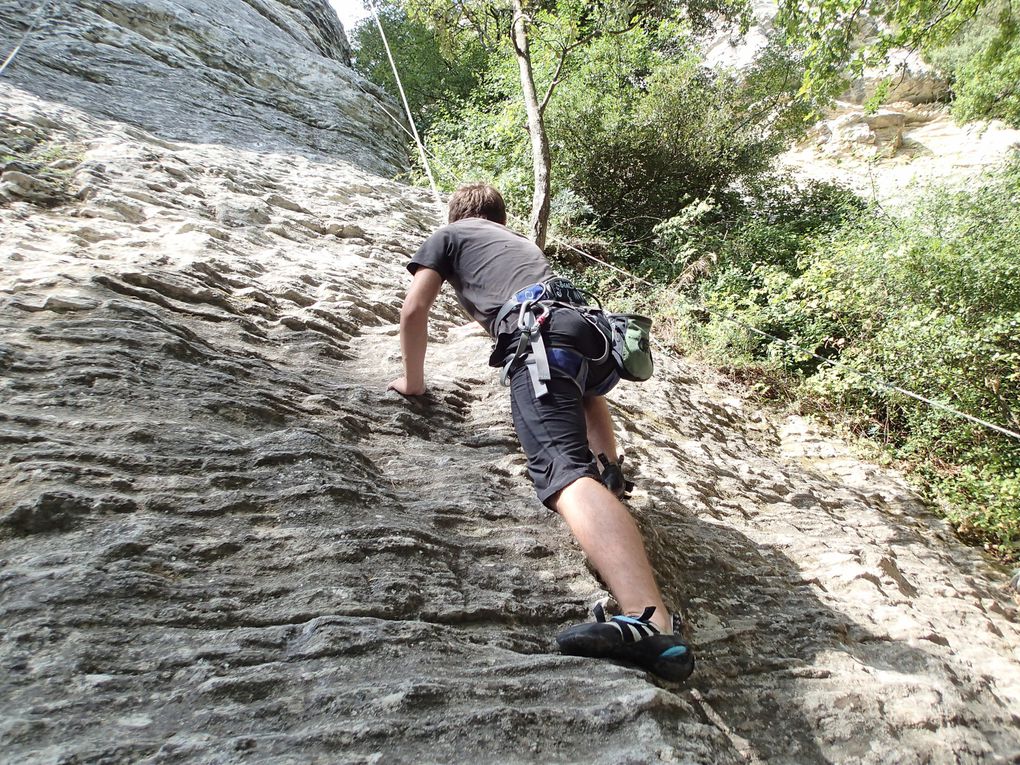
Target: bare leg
612, 542
601, 439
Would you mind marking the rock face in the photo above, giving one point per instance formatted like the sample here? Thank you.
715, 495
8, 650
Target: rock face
894, 153
879, 133
268, 75
905, 78
222, 540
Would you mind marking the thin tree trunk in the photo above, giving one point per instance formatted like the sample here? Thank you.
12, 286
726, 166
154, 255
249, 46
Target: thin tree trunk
536, 128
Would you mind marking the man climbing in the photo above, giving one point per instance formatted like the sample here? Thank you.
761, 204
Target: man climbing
557, 363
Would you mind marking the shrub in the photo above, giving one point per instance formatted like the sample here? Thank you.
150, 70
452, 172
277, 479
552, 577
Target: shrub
929, 302
983, 60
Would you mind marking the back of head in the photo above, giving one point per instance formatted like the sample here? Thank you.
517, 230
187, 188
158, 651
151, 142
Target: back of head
477, 200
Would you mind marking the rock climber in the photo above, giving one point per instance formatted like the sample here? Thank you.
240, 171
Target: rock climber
561, 417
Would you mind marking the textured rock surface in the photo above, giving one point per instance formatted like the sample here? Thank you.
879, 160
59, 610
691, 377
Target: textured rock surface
268, 75
904, 78
221, 539
873, 135
900, 150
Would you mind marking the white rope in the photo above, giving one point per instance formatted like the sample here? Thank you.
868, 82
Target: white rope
410, 117
24, 39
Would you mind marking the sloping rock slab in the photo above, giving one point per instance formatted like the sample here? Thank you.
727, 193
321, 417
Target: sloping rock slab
222, 540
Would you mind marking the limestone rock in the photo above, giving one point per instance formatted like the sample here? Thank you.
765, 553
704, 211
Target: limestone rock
899, 151
733, 50
905, 77
860, 132
267, 75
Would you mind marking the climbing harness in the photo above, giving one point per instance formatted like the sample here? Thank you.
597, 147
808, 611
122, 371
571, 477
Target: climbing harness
533, 306
626, 338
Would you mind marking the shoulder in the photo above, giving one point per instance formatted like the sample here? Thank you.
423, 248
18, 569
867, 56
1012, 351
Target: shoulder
481, 230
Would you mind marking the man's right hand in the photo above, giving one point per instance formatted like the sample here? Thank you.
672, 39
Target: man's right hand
414, 331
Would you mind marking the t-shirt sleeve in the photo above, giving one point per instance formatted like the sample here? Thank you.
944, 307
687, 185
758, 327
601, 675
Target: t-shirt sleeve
435, 253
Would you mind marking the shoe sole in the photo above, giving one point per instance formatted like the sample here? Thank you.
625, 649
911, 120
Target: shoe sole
587, 640
583, 640
672, 668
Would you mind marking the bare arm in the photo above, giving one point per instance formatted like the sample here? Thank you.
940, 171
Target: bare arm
414, 324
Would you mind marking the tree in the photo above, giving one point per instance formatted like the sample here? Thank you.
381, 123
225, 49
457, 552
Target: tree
983, 60
543, 36
641, 128
433, 75
570, 30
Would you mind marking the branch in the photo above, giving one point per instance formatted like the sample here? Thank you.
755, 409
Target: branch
555, 79
563, 58
513, 35
848, 27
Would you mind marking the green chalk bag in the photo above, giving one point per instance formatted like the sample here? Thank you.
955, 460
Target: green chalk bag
632, 347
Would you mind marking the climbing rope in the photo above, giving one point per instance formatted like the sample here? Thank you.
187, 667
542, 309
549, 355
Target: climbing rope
35, 21
407, 109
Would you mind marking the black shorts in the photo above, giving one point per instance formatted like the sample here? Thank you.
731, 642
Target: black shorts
552, 429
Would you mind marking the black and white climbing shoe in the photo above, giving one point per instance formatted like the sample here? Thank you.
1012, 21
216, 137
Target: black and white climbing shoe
632, 639
612, 477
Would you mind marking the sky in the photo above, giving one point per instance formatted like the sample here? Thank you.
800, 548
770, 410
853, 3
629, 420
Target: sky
349, 11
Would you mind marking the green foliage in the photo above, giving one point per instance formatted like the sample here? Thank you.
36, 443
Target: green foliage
434, 75
640, 126
840, 38
760, 228
485, 143
637, 127
976, 42
984, 63
667, 128
929, 302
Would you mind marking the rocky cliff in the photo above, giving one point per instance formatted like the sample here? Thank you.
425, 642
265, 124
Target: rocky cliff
267, 75
890, 154
222, 540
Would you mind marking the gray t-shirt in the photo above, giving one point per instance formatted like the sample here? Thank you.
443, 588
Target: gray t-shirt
485, 263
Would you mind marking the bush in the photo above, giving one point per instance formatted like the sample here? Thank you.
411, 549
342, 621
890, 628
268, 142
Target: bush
983, 61
929, 302
641, 127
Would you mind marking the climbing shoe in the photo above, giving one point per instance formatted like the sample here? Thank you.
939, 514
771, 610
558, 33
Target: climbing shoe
631, 639
612, 477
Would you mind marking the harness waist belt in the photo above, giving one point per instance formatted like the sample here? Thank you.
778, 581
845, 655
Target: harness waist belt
532, 305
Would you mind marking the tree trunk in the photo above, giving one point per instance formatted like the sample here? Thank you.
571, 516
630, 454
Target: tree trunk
536, 128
